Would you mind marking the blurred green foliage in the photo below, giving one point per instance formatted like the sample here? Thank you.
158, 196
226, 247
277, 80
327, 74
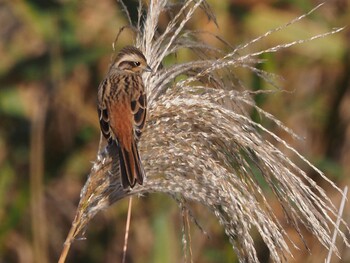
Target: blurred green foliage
58, 51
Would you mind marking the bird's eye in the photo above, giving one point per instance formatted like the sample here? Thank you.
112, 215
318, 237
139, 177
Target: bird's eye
137, 64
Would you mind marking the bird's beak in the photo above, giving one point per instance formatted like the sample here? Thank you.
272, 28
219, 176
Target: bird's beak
148, 69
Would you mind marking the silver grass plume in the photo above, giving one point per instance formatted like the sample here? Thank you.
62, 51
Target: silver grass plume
201, 145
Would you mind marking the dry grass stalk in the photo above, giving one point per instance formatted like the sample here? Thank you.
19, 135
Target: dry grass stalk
340, 213
200, 143
127, 227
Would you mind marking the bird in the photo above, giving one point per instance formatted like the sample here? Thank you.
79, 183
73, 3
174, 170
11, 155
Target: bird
122, 111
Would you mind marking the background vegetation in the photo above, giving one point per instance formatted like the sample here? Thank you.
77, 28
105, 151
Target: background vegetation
53, 56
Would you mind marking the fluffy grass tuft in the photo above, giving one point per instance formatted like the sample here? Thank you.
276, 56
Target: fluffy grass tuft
201, 145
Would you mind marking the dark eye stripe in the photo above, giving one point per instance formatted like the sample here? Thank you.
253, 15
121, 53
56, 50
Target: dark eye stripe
129, 63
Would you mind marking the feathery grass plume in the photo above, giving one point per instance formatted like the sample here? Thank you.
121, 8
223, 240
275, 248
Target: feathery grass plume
200, 143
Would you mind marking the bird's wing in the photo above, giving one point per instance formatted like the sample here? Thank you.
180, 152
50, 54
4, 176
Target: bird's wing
102, 110
139, 110
121, 123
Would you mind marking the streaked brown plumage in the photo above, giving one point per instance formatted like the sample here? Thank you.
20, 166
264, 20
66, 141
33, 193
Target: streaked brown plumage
122, 108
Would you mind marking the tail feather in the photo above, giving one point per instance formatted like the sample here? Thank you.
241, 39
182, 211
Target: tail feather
140, 173
130, 166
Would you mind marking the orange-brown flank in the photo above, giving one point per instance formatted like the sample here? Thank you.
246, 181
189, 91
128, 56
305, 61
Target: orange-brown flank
121, 122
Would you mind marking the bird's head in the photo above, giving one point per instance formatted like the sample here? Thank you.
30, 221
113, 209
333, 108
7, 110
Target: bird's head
132, 60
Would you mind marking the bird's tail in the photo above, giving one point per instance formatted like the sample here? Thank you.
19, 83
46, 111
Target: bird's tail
130, 166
